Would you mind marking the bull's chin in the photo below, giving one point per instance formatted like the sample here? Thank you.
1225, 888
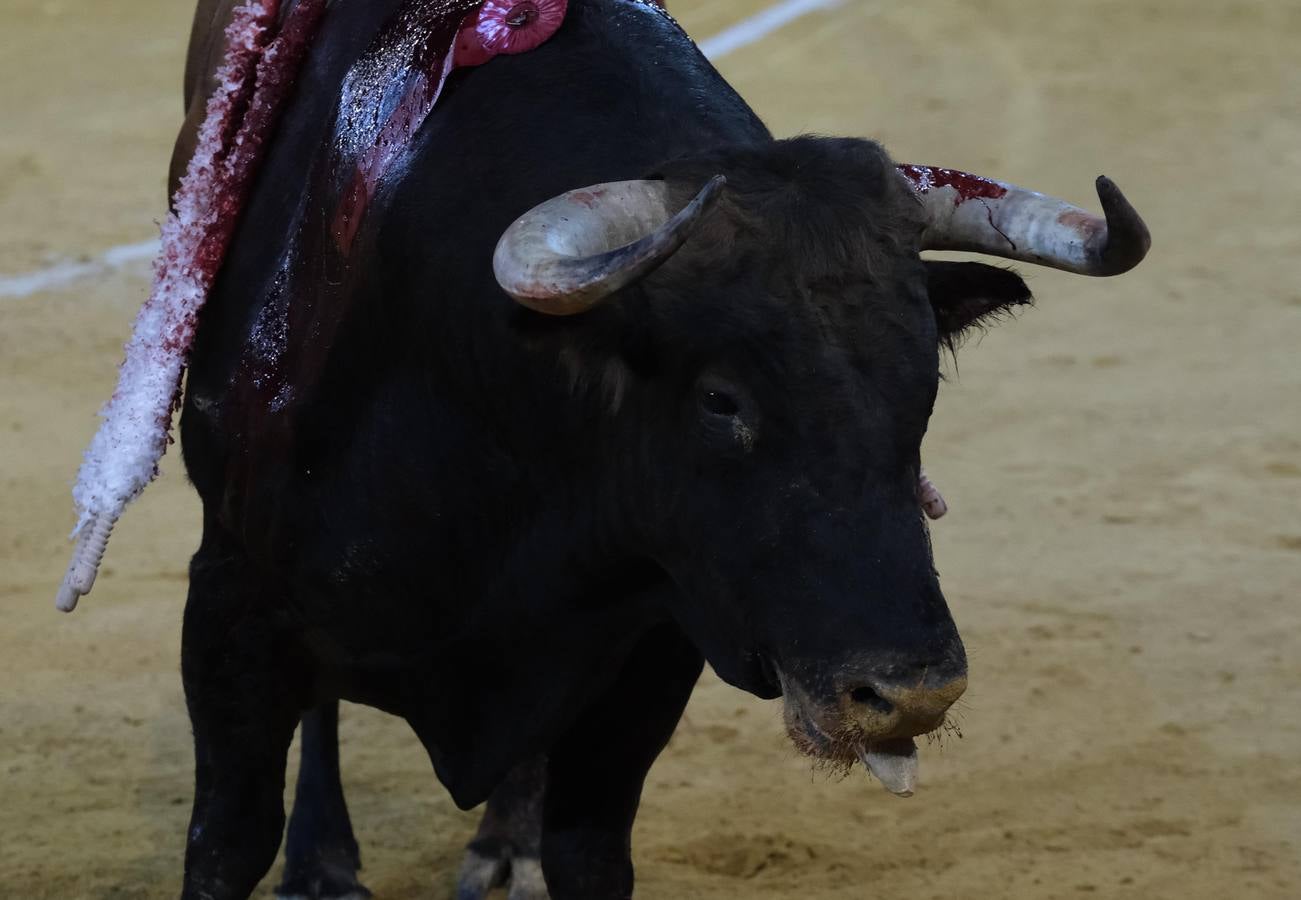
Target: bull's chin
892, 761
812, 741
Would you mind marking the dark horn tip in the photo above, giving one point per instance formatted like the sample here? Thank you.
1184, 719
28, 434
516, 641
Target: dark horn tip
681, 225
709, 193
1128, 238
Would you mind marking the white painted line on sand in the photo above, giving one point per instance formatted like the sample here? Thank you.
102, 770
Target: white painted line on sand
742, 34
760, 25
65, 273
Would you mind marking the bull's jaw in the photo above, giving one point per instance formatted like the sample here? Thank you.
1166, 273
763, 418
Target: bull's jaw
892, 760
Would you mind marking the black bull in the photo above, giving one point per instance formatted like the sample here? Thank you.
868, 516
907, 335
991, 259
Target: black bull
524, 534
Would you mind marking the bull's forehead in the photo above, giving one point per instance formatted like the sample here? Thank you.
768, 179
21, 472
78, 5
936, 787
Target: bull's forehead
872, 359
809, 269
837, 310
835, 376
848, 305
827, 203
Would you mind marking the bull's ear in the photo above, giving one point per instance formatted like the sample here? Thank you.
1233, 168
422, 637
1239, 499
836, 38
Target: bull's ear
965, 295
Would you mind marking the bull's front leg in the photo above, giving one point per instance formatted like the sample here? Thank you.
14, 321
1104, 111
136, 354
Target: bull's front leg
321, 853
596, 771
240, 686
506, 848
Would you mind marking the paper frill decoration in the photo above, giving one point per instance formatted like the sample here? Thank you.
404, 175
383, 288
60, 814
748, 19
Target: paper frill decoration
257, 71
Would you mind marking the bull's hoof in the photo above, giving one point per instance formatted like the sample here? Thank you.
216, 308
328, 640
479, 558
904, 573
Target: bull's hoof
494, 866
506, 848
324, 883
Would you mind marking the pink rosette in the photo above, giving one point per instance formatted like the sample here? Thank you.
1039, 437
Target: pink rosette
507, 26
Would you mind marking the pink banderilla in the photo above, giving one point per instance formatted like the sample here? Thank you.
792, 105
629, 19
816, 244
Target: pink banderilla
253, 82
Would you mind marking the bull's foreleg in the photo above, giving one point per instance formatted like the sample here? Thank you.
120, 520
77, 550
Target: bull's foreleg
596, 771
240, 687
321, 853
506, 849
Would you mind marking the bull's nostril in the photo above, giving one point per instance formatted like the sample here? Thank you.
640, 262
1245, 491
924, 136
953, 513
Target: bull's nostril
865, 696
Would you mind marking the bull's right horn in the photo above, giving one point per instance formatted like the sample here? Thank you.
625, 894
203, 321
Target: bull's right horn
571, 252
968, 212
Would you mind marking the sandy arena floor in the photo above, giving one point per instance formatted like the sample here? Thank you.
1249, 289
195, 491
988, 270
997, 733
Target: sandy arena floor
1123, 463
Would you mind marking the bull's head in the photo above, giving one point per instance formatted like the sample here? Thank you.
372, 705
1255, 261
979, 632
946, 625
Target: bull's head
771, 343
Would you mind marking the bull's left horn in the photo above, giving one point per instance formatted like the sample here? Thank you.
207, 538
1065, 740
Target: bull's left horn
968, 212
571, 252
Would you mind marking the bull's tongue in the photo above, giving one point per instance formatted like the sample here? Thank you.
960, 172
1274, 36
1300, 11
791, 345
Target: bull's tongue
894, 763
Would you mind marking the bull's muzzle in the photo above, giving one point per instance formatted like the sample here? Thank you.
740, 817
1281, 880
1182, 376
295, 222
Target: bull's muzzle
872, 715
881, 709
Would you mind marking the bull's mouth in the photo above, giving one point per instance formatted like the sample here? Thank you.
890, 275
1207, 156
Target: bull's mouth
892, 759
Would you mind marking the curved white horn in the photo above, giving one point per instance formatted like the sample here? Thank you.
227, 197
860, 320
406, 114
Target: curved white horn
968, 212
571, 252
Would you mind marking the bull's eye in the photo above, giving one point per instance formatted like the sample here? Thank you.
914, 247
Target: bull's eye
718, 403
727, 420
